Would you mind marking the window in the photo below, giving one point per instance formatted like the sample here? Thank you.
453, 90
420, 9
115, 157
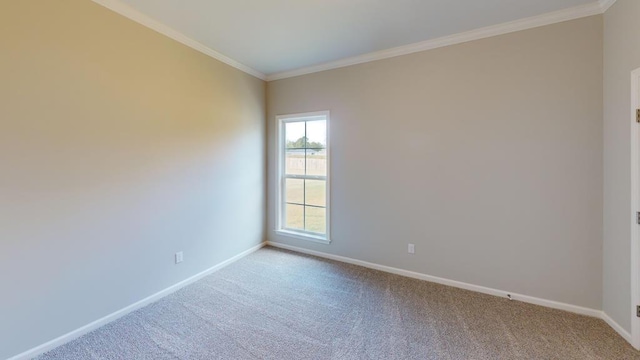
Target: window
303, 176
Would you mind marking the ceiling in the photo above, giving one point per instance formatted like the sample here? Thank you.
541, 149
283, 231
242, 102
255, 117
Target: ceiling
276, 36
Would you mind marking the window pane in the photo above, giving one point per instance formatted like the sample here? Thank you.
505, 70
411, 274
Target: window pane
294, 134
315, 219
305, 170
295, 191
315, 192
317, 134
295, 217
294, 162
316, 162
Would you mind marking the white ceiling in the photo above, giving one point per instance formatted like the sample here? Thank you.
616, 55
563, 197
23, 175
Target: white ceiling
275, 36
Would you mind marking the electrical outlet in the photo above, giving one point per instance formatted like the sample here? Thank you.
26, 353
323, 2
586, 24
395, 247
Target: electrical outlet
412, 249
179, 257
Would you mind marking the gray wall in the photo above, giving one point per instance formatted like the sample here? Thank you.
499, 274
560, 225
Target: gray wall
118, 147
487, 155
621, 56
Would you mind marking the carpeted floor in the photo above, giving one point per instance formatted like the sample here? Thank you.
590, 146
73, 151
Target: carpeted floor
275, 304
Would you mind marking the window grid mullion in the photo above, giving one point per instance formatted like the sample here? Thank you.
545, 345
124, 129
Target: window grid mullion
307, 177
313, 206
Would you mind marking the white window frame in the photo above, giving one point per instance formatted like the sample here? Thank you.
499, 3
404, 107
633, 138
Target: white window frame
281, 120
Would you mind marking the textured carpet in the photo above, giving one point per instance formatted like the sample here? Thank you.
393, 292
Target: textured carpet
275, 304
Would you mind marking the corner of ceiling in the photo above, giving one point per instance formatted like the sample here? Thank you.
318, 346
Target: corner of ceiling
595, 8
127, 11
606, 4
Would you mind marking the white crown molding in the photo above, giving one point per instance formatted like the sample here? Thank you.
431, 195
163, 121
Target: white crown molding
135, 15
606, 4
576, 12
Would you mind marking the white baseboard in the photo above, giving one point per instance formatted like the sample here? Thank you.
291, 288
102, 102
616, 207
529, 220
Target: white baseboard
619, 329
481, 289
458, 284
41, 349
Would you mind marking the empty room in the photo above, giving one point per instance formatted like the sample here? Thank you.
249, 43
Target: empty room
315, 179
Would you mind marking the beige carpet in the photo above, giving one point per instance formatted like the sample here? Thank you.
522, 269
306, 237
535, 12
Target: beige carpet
275, 304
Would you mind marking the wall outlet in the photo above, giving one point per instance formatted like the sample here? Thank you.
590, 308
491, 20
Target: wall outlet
412, 249
179, 257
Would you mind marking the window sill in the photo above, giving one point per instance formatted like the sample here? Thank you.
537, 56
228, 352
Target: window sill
303, 236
